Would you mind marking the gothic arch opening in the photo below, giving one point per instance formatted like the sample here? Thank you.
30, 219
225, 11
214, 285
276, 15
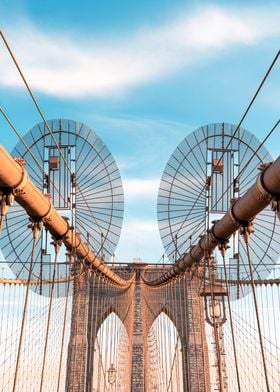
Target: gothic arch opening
111, 356
164, 356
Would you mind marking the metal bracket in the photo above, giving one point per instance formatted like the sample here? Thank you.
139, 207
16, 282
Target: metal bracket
6, 200
275, 206
57, 245
223, 247
35, 226
246, 231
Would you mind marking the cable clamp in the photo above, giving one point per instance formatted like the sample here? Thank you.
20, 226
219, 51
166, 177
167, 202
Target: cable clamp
47, 217
263, 193
245, 227
190, 253
77, 237
88, 251
200, 241
19, 188
235, 220
213, 236
66, 219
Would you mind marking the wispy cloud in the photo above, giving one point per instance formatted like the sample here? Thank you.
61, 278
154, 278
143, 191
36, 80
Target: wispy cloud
145, 142
62, 66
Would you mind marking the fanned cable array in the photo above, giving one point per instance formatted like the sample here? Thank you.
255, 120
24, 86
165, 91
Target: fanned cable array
29, 373
69, 321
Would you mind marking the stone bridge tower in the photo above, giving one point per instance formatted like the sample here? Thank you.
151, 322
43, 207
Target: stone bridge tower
137, 307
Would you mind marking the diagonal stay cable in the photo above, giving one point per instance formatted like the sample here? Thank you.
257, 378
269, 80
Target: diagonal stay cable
4, 114
238, 126
34, 99
245, 166
44, 119
249, 106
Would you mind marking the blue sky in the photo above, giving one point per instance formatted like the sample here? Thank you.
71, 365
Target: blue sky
143, 75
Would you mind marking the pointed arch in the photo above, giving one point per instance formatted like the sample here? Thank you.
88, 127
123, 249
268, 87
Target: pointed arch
111, 353
164, 354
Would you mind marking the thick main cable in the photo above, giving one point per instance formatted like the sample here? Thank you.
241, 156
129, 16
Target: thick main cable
244, 209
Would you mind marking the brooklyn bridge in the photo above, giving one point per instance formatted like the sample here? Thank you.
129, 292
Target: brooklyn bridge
73, 318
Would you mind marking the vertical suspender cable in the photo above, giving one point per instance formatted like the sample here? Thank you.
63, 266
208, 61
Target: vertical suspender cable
257, 312
64, 326
35, 235
231, 325
57, 246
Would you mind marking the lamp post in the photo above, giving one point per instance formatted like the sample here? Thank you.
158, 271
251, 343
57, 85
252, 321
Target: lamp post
214, 300
112, 375
215, 314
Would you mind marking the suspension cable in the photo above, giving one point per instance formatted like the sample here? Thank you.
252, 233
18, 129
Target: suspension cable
4, 114
173, 362
47, 125
35, 229
57, 245
237, 129
226, 190
253, 99
64, 326
246, 240
274, 127
231, 323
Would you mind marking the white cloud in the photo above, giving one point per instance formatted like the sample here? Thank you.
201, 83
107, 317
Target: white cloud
141, 188
61, 66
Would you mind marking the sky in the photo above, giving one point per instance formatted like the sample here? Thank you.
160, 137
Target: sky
142, 75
